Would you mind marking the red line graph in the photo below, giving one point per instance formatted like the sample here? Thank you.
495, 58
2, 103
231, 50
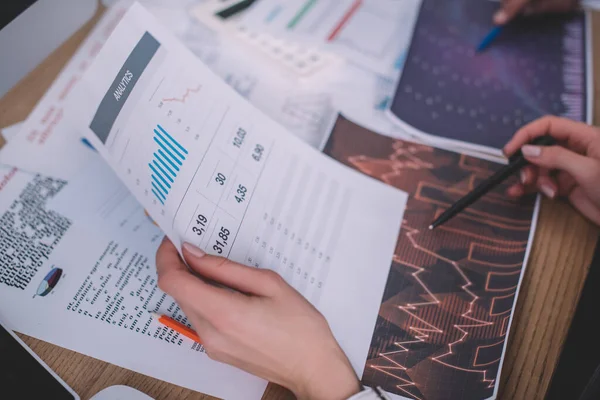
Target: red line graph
183, 98
344, 20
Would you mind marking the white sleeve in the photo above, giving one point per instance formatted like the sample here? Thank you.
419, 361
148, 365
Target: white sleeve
370, 394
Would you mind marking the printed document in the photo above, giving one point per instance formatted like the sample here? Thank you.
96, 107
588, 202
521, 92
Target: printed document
212, 170
82, 289
367, 33
306, 109
209, 169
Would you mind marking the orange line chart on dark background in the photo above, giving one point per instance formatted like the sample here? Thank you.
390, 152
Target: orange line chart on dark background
446, 310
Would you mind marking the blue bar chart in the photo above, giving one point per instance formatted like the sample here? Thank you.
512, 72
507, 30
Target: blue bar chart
166, 162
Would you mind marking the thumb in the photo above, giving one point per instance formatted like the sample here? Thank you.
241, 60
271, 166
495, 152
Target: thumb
581, 168
260, 282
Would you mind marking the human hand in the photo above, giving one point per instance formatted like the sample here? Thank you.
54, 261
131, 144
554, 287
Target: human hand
570, 169
511, 8
265, 327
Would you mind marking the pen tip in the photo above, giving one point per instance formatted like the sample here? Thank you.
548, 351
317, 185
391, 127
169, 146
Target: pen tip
431, 227
155, 315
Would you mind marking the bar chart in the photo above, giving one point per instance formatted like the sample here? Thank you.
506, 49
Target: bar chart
165, 164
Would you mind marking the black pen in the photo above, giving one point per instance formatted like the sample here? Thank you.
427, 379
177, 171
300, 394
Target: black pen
517, 161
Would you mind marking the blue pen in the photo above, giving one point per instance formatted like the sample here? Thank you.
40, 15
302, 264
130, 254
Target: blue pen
489, 38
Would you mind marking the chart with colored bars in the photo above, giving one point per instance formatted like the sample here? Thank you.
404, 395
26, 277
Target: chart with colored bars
448, 302
369, 33
200, 162
196, 161
167, 160
232, 157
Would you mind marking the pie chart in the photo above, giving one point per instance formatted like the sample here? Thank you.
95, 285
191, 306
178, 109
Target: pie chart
49, 282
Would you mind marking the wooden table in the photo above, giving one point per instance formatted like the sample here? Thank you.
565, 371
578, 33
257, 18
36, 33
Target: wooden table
558, 266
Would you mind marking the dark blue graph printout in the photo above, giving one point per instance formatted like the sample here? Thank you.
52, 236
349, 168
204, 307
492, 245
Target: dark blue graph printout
536, 66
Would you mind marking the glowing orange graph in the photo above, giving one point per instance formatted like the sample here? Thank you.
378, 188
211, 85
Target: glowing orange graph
184, 97
443, 322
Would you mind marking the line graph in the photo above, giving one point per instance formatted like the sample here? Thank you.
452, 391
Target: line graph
184, 97
446, 309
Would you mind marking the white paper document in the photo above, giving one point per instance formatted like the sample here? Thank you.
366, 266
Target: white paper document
80, 288
306, 109
97, 198
228, 179
214, 171
46, 130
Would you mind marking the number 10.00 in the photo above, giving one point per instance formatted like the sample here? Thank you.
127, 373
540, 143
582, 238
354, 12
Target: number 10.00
238, 139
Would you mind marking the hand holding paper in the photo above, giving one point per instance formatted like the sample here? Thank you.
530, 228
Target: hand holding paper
254, 330
213, 171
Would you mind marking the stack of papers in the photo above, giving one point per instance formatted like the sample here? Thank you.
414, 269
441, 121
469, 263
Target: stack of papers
170, 121
254, 192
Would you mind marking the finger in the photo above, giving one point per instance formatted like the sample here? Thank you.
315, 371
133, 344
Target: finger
582, 202
201, 325
528, 175
577, 135
581, 168
518, 189
510, 8
566, 183
515, 191
211, 339
260, 282
547, 185
175, 279
167, 259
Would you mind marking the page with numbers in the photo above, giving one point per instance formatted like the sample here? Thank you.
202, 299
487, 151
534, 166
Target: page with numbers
214, 171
